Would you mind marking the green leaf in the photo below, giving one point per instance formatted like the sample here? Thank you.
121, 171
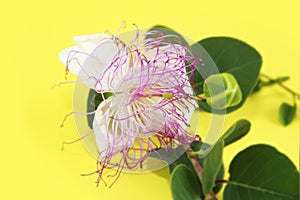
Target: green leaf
94, 99
261, 172
211, 165
167, 31
196, 145
287, 113
238, 130
282, 79
231, 56
184, 184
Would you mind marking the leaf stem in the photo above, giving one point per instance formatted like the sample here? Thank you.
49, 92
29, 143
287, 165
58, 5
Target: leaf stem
295, 94
197, 166
221, 181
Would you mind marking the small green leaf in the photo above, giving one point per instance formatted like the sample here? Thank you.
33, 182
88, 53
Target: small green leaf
196, 145
287, 113
238, 130
232, 56
222, 91
282, 79
184, 184
211, 165
261, 172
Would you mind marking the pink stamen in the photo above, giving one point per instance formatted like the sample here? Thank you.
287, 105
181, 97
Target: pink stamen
149, 102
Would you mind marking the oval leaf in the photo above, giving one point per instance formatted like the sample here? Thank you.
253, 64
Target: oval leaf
184, 183
236, 131
232, 56
211, 165
261, 172
282, 79
286, 113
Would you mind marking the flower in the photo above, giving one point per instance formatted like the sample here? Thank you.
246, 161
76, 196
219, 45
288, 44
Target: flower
152, 100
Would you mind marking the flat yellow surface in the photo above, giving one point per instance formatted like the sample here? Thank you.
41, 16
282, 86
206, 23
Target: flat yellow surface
33, 32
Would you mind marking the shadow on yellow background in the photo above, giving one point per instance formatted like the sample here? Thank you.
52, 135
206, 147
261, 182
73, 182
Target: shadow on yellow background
33, 32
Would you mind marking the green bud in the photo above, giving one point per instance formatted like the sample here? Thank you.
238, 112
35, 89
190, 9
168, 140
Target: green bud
222, 91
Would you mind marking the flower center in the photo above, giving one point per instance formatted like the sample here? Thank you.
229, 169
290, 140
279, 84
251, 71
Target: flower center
166, 95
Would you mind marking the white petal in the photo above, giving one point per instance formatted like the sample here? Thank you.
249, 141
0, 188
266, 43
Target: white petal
99, 126
87, 43
89, 66
95, 64
105, 51
102, 126
73, 66
101, 139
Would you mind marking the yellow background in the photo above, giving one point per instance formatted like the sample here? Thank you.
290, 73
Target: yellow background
33, 32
